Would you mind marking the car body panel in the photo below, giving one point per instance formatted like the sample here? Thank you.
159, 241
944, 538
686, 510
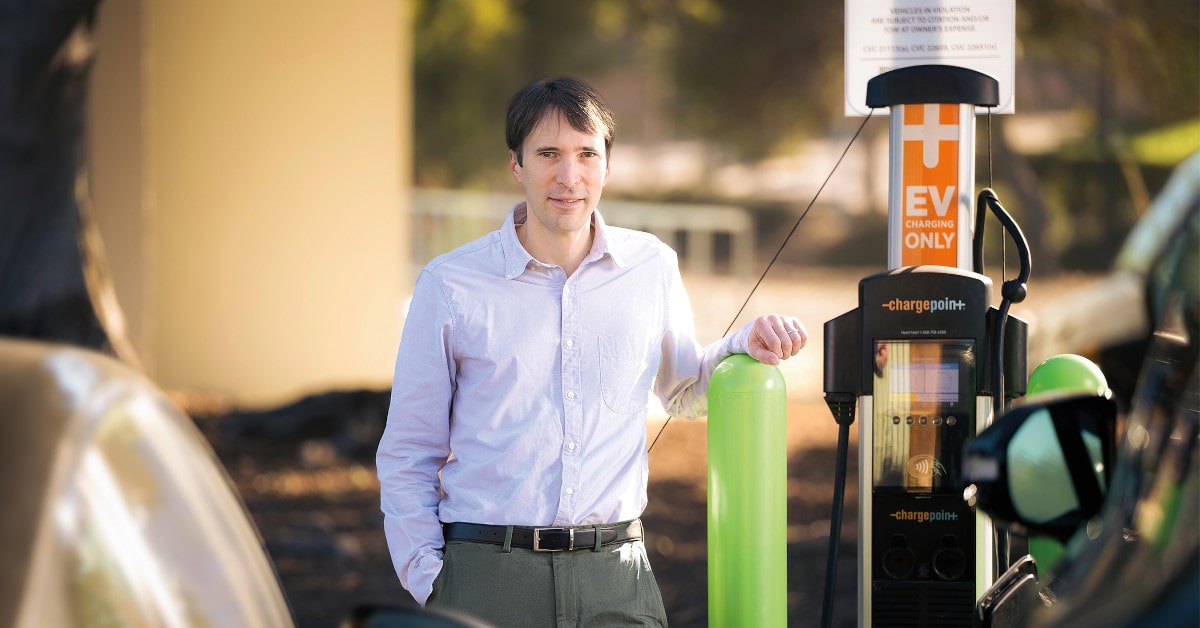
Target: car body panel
120, 511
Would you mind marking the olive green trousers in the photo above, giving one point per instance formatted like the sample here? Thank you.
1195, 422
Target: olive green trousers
515, 586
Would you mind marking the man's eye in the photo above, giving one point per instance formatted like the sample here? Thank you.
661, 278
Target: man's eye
547, 154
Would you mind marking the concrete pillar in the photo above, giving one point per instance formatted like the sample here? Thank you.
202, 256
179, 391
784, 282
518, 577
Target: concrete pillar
251, 175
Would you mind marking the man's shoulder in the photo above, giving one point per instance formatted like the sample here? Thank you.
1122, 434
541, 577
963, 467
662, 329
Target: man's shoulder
483, 253
636, 245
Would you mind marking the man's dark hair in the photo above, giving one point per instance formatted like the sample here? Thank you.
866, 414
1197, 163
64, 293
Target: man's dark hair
580, 103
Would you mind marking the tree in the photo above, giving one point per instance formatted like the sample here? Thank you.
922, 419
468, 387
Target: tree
753, 78
471, 55
760, 75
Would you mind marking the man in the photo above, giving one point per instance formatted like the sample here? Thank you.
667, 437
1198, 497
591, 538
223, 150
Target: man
522, 383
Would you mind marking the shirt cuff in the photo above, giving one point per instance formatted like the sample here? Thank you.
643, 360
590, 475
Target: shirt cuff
739, 341
420, 578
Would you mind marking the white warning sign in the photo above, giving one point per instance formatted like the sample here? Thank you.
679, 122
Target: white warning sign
975, 34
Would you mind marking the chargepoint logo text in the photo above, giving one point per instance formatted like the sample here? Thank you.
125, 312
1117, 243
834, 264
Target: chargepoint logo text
921, 306
924, 516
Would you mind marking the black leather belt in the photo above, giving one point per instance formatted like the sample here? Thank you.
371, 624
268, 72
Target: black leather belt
551, 539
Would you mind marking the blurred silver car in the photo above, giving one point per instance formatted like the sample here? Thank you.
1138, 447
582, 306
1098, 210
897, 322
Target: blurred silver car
117, 512
1129, 518
1110, 321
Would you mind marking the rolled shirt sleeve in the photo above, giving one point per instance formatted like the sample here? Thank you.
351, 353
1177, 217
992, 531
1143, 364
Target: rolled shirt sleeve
683, 374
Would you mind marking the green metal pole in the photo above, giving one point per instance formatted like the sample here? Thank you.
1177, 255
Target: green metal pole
747, 494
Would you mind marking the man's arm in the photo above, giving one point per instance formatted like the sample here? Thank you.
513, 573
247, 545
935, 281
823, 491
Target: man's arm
682, 381
416, 440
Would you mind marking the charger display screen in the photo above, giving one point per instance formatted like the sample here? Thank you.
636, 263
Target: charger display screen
935, 382
923, 409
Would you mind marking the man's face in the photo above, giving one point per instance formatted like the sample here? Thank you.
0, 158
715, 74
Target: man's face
563, 171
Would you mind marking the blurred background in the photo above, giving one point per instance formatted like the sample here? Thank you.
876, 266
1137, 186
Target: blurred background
263, 173
235, 197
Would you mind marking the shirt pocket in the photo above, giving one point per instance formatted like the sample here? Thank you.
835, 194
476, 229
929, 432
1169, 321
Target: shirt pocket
626, 373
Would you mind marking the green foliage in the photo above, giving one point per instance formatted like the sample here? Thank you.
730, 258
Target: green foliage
1133, 61
763, 76
759, 75
1093, 209
471, 55
1168, 145
461, 81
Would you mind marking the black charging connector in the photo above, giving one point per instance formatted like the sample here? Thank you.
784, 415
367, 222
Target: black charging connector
842, 405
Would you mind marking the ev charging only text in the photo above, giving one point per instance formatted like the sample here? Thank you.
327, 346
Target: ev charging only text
922, 232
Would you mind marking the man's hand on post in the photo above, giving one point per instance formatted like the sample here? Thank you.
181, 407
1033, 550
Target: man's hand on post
776, 338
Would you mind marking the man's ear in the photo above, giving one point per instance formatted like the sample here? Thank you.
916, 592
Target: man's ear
514, 166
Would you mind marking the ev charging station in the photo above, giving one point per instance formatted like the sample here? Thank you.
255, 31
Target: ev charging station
923, 359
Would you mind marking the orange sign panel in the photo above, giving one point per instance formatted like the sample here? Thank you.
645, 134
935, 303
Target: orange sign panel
929, 232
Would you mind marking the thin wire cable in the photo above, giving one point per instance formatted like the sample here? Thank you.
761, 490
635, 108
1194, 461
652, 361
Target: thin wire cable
780, 250
1003, 548
1003, 240
989, 148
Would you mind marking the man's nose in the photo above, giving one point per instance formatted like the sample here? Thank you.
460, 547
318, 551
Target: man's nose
569, 173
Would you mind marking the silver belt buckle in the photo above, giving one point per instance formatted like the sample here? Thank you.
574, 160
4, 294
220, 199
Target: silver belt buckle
537, 539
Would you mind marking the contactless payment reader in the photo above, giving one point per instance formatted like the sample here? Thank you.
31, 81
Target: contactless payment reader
923, 359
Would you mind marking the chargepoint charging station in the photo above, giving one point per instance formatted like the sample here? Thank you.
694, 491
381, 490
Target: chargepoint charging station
923, 359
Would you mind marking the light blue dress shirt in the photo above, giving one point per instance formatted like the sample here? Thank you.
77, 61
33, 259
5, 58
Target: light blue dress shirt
520, 394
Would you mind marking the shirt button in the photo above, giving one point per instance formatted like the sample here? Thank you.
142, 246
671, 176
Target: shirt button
570, 491
570, 343
570, 394
571, 446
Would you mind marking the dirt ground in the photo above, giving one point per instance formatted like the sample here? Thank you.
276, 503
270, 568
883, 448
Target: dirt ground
322, 526
314, 496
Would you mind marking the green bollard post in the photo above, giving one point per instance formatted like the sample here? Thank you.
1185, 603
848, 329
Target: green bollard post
747, 494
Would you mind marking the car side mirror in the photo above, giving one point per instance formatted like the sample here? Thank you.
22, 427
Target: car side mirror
1044, 467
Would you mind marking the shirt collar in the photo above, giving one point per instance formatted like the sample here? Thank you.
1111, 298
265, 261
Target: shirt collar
603, 242
517, 259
